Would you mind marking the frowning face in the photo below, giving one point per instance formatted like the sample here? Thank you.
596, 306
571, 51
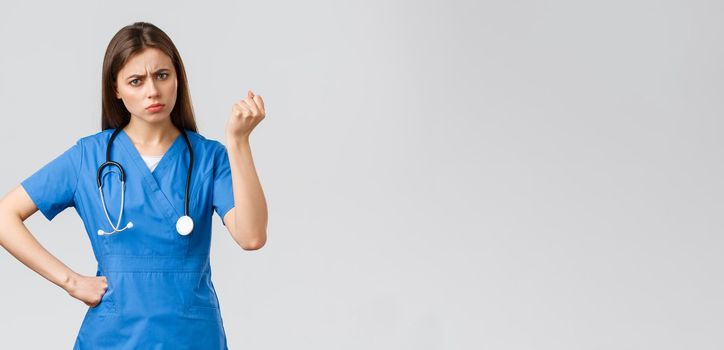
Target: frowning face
148, 79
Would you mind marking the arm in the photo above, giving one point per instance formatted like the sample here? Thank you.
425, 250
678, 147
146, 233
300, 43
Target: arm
247, 220
249, 202
15, 237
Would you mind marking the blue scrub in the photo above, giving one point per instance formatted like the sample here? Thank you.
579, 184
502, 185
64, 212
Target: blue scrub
160, 294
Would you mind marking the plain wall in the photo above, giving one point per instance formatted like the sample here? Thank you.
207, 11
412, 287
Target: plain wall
439, 175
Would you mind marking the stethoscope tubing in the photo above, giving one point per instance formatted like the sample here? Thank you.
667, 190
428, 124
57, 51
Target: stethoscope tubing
109, 162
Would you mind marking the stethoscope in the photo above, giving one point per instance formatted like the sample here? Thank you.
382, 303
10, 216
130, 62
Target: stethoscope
184, 224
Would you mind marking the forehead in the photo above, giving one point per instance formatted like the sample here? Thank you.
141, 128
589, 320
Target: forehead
150, 59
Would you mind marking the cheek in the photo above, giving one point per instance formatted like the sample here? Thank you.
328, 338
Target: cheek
130, 98
173, 88
171, 91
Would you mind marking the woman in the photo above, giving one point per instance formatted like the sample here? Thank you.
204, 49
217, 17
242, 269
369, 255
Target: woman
150, 233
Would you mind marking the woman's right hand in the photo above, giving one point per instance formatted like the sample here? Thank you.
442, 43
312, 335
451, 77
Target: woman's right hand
88, 289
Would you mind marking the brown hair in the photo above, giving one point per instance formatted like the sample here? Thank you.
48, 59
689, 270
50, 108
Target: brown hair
130, 40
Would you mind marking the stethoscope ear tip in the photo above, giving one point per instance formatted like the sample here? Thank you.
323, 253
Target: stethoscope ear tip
130, 224
100, 232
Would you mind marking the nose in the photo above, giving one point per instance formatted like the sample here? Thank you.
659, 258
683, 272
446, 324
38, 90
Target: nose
152, 89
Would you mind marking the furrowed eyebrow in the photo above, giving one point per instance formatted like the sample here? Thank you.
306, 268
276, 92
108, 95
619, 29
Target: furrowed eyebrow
162, 70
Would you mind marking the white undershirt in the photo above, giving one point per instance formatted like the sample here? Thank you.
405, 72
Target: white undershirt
152, 161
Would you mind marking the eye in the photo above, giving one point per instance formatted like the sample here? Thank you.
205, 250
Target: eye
132, 84
165, 75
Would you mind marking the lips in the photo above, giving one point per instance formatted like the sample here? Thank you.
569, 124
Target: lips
155, 106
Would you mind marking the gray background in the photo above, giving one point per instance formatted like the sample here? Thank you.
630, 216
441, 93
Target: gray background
458, 175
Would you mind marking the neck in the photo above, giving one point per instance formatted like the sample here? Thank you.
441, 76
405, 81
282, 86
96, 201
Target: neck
144, 133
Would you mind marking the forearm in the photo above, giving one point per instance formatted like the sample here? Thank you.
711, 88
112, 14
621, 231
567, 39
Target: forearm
18, 241
250, 209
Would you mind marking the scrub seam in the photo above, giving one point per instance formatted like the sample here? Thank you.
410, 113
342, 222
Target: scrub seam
78, 172
216, 168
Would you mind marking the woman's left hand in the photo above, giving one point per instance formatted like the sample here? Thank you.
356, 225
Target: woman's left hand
245, 116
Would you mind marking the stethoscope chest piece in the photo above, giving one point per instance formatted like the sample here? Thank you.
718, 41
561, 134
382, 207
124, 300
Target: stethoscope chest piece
184, 225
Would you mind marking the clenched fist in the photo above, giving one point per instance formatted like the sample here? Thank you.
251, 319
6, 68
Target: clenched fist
245, 115
89, 290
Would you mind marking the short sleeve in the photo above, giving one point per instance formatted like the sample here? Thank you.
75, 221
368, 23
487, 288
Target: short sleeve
52, 187
223, 200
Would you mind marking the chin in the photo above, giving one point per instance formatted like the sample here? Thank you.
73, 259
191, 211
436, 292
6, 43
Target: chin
154, 118
157, 117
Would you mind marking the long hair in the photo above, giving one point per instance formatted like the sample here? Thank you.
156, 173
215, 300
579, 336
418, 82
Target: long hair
129, 41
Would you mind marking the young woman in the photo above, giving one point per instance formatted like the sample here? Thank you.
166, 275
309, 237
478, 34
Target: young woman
146, 187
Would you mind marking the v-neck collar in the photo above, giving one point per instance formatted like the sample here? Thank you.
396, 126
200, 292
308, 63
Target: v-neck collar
148, 179
138, 160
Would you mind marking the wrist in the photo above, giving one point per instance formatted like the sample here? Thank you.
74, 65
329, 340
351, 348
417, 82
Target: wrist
237, 140
69, 281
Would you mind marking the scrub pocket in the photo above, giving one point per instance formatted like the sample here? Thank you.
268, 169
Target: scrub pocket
104, 308
202, 303
107, 306
201, 312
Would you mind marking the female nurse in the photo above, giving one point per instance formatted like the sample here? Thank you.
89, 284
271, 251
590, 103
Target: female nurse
145, 187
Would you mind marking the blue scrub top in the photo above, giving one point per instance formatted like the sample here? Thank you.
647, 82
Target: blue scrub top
160, 293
